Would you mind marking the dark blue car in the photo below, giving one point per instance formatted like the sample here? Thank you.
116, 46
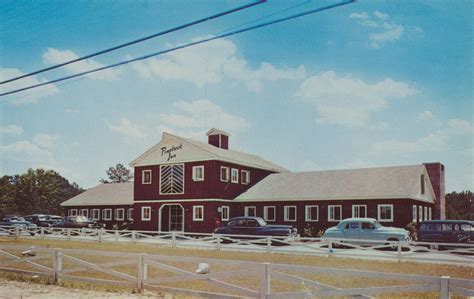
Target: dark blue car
445, 231
255, 226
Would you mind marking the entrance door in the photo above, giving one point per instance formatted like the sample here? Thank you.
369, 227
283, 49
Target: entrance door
176, 218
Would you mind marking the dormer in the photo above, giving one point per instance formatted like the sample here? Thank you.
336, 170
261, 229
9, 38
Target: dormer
218, 138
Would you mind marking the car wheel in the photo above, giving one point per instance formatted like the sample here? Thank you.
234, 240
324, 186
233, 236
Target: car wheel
392, 246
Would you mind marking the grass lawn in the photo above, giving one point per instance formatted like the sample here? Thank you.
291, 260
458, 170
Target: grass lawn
248, 281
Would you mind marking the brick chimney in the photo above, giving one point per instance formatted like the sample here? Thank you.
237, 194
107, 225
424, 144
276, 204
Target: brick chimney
218, 138
436, 173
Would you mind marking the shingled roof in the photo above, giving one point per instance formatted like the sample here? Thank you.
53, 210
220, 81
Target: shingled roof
347, 184
104, 195
200, 151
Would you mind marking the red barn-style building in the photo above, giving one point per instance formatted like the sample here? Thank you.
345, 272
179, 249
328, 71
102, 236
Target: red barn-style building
184, 185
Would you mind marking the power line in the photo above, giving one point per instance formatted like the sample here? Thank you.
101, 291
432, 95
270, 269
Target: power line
138, 40
181, 46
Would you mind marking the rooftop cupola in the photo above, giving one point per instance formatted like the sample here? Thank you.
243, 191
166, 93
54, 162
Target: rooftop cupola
218, 138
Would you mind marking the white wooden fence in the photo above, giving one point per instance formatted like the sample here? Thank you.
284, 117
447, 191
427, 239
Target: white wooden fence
82, 266
373, 249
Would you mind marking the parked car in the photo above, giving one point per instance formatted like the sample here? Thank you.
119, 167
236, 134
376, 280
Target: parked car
18, 222
366, 229
446, 231
256, 226
77, 222
40, 220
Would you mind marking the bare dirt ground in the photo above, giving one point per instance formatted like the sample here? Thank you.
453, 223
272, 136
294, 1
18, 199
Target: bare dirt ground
16, 289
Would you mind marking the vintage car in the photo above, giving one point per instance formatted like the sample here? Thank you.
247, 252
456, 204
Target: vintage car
445, 231
77, 222
255, 226
40, 220
13, 221
365, 229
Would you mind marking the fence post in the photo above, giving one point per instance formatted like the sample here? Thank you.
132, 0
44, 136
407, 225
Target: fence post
444, 287
173, 240
42, 232
116, 236
68, 234
269, 244
329, 248
141, 272
218, 244
265, 281
57, 264
134, 237
101, 230
17, 232
399, 252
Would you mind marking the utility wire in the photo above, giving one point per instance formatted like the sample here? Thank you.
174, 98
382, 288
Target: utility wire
138, 40
182, 46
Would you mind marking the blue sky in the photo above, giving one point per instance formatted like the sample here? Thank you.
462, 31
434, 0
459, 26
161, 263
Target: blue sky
373, 83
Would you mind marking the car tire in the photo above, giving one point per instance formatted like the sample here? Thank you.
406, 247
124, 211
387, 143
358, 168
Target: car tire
392, 246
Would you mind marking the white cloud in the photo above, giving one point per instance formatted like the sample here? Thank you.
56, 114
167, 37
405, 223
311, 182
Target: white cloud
437, 141
28, 152
193, 119
349, 101
213, 62
55, 56
425, 115
129, 130
45, 140
25, 97
461, 127
11, 130
386, 30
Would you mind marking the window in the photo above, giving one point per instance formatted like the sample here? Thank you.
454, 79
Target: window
429, 214
198, 173
425, 211
172, 179
250, 211
414, 213
420, 213
107, 214
85, 212
289, 213
447, 227
146, 176
335, 213
352, 225
73, 212
269, 213
311, 213
130, 214
225, 213
95, 214
146, 213
359, 211
385, 213
422, 183
368, 225
245, 177
234, 175
119, 214
198, 213
224, 174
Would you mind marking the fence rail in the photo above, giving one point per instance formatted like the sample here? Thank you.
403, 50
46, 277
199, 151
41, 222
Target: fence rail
150, 271
378, 249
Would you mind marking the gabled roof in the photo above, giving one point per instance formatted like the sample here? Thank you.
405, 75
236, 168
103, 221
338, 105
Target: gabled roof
350, 184
188, 150
215, 131
103, 195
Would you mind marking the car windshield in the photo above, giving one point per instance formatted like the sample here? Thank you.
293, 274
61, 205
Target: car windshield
377, 224
81, 219
261, 221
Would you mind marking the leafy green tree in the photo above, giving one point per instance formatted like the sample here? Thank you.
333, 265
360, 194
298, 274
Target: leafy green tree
118, 174
460, 205
36, 191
